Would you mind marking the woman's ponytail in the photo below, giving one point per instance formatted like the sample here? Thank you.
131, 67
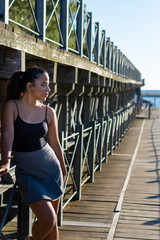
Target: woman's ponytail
16, 86
18, 82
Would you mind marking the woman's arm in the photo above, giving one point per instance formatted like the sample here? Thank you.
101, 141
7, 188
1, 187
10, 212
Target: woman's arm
7, 135
53, 138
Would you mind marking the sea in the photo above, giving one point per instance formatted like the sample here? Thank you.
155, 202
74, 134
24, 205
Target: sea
155, 100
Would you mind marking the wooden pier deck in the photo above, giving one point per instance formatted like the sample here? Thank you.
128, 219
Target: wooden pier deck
124, 201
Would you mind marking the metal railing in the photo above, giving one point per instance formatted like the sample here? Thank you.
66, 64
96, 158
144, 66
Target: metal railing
92, 146
67, 24
87, 138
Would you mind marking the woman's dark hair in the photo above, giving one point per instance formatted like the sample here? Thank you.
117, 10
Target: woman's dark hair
18, 81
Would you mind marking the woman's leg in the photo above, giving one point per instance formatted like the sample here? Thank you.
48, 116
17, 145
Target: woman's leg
54, 233
47, 219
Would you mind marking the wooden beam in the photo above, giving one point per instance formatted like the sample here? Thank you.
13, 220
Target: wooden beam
16, 39
1, 56
78, 91
66, 74
84, 76
13, 60
65, 89
94, 79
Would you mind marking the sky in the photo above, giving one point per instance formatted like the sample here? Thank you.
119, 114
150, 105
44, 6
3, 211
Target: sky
134, 27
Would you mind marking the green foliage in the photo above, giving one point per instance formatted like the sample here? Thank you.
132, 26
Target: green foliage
72, 12
20, 12
52, 31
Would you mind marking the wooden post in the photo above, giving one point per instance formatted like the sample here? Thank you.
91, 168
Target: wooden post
80, 105
120, 127
104, 49
91, 151
63, 118
105, 147
116, 60
108, 135
101, 106
72, 109
80, 27
60, 213
111, 136
89, 36
86, 111
149, 115
24, 212
113, 132
40, 13
122, 131
64, 11
24, 220
97, 43
109, 53
78, 162
100, 147
112, 56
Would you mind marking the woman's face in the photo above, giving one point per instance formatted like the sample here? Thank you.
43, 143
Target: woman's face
40, 90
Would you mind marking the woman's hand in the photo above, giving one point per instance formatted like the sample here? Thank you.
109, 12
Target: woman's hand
4, 169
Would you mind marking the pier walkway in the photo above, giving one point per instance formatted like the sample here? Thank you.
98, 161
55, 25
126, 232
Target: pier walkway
124, 201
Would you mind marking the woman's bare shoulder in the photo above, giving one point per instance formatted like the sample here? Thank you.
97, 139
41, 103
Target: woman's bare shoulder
51, 110
51, 114
8, 110
9, 105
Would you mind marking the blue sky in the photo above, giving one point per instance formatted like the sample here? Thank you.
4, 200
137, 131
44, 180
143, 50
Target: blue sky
134, 27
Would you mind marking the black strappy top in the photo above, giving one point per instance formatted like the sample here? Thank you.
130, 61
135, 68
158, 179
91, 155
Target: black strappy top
29, 136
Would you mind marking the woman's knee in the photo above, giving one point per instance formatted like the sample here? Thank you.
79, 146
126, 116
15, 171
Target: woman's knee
49, 220
45, 214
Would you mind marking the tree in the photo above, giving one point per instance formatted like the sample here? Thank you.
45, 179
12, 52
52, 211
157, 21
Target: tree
22, 14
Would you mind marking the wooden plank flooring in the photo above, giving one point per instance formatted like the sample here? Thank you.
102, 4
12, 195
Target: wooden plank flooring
99, 199
140, 214
139, 218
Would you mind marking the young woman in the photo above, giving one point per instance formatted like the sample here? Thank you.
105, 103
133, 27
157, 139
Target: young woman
30, 136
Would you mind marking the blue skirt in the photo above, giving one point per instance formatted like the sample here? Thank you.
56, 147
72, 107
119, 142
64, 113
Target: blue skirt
38, 175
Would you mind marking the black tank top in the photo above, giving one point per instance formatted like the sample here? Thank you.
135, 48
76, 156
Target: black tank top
29, 136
